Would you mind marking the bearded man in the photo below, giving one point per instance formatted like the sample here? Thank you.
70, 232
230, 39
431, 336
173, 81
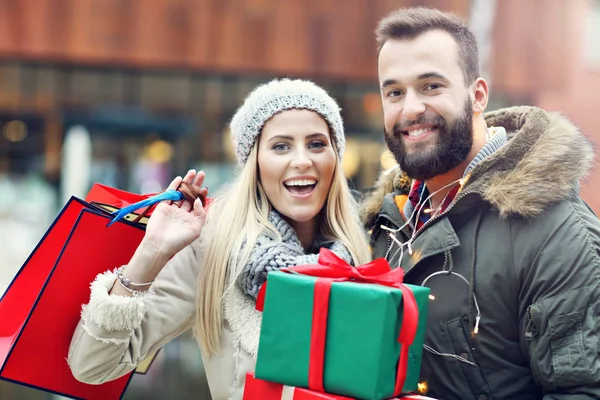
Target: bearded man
485, 210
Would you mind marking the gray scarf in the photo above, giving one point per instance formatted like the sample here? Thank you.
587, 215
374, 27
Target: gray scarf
270, 255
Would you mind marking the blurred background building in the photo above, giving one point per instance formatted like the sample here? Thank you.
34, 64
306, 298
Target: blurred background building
130, 93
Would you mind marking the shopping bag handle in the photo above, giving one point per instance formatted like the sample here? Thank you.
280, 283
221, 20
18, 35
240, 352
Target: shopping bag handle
185, 191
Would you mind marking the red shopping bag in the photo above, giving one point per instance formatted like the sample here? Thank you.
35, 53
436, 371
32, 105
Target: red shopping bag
41, 307
115, 197
111, 198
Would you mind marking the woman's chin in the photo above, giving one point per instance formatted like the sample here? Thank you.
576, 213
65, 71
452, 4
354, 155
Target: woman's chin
300, 216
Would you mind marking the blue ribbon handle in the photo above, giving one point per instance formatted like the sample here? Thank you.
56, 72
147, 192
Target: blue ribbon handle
173, 195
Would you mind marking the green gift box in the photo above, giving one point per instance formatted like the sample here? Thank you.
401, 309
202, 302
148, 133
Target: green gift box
363, 322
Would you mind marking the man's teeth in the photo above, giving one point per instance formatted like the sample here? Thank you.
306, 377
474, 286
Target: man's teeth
303, 182
418, 132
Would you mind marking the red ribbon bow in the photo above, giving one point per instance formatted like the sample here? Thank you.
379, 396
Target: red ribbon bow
331, 269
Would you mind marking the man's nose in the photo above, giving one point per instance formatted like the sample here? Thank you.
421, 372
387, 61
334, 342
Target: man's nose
413, 106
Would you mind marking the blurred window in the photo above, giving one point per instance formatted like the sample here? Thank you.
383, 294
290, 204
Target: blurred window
10, 88
165, 91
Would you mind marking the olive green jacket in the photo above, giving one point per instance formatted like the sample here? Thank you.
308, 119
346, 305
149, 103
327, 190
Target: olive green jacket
519, 245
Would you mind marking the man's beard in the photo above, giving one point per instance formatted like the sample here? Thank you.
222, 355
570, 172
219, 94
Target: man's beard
452, 145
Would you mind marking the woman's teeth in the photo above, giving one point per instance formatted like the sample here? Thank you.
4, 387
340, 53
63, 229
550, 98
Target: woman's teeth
300, 186
303, 182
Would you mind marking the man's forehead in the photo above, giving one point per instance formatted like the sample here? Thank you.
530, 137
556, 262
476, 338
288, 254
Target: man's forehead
432, 51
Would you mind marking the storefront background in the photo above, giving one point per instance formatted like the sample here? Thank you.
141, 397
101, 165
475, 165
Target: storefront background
131, 93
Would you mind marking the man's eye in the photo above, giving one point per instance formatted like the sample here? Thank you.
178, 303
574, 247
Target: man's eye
395, 93
433, 86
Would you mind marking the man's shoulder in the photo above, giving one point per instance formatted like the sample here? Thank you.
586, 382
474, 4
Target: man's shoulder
542, 163
569, 225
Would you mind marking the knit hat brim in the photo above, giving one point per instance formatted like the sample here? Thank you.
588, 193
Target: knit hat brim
280, 95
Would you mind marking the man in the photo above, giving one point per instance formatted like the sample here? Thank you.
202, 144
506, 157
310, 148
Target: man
485, 211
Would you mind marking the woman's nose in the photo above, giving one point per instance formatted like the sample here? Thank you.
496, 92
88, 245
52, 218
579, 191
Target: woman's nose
301, 159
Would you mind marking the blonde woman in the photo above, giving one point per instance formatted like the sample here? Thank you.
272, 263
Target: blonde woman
290, 199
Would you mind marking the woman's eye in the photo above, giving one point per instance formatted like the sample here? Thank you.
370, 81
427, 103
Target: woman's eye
317, 144
280, 147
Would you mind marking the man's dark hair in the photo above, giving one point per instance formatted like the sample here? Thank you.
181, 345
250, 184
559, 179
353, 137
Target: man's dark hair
408, 23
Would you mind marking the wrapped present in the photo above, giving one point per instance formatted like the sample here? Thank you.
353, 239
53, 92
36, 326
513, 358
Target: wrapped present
258, 389
350, 331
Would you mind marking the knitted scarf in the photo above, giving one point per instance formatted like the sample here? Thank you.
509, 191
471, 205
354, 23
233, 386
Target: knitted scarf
270, 254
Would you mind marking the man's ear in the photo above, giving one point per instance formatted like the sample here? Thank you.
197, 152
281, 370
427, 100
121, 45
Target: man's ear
480, 98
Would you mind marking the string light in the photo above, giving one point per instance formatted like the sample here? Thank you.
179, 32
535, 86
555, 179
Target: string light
386, 228
459, 358
422, 387
415, 229
477, 317
419, 209
393, 238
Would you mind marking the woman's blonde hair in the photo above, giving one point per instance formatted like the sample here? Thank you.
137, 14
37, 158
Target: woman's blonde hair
237, 216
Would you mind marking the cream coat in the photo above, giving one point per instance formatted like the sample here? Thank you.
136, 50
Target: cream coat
115, 332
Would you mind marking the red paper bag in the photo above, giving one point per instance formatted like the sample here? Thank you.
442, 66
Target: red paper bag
40, 309
116, 198
259, 389
111, 199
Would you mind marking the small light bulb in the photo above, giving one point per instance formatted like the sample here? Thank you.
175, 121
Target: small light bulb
427, 210
431, 297
422, 387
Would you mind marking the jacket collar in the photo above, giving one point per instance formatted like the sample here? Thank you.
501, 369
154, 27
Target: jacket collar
545, 158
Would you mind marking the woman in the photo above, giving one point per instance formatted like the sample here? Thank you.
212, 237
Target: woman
290, 199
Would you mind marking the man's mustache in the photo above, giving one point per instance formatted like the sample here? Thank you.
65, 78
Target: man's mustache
424, 120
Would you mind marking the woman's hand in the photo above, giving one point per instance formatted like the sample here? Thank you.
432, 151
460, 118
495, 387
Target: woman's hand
174, 225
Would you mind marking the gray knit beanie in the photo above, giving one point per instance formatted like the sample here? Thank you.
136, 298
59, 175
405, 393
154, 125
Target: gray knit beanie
278, 95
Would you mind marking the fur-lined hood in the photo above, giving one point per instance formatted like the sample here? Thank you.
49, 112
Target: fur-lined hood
542, 163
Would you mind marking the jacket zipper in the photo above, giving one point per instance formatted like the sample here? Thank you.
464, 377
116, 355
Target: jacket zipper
450, 207
431, 220
528, 329
530, 333
389, 239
